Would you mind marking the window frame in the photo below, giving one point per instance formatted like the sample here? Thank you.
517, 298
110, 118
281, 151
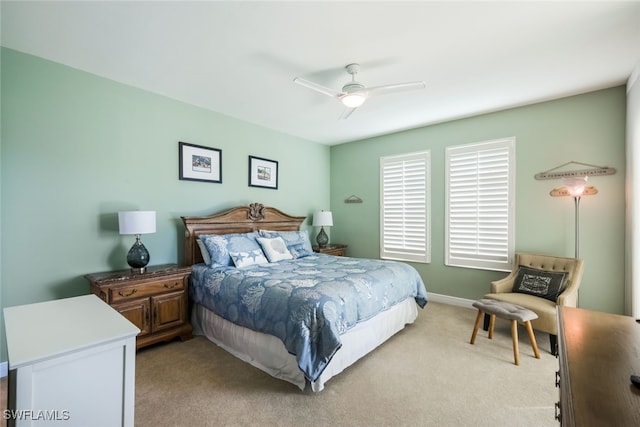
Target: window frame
406, 253
479, 260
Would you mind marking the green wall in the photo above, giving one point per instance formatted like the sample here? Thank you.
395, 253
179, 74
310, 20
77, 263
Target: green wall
587, 128
77, 148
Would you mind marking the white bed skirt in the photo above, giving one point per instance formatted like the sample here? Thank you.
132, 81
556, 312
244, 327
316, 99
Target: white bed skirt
268, 353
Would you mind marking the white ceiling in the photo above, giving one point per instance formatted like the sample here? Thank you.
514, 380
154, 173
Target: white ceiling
239, 58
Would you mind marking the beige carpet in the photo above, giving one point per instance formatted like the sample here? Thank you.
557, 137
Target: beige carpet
427, 375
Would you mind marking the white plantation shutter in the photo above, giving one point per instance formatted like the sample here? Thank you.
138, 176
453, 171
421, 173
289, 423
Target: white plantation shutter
405, 207
480, 205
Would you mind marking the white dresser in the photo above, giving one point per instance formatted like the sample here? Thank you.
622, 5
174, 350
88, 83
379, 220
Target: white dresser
71, 363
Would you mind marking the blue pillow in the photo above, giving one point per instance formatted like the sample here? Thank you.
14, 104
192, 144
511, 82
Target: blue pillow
297, 241
299, 251
220, 246
217, 248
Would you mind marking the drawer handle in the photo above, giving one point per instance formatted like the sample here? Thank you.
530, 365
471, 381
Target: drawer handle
124, 294
171, 285
558, 412
557, 378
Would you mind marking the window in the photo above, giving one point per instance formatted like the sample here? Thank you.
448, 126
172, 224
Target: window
405, 207
480, 182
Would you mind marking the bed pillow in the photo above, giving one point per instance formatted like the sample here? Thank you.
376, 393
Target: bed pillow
274, 248
204, 252
299, 251
217, 248
540, 283
247, 258
297, 241
220, 246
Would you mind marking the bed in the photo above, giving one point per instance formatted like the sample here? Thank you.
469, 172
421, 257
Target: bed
300, 316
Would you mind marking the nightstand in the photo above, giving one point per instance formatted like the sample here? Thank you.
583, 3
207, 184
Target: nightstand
155, 301
332, 249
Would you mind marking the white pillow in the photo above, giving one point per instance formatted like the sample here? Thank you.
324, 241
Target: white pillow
275, 248
204, 251
245, 259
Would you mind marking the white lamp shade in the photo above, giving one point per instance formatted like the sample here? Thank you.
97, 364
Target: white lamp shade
323, 219
575, 186
137, 222
353, 100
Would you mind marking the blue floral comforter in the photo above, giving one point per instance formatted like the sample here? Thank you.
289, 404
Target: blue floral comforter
306, 302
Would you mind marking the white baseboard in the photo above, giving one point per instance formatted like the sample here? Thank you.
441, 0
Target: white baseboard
446, 299
4, 369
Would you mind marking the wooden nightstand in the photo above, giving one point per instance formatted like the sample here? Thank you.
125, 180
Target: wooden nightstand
155, 301
332, 249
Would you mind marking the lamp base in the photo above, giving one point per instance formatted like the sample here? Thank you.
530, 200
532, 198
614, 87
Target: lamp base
138, 257
322, 238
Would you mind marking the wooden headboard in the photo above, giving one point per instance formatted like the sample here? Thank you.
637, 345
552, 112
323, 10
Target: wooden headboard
242, 219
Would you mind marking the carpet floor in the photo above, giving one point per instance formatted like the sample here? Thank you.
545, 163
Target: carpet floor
426, 375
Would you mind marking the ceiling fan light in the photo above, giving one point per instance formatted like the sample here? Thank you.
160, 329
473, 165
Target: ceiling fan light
353, 100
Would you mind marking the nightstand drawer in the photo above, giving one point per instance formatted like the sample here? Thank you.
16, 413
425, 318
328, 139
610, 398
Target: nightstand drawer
145, 289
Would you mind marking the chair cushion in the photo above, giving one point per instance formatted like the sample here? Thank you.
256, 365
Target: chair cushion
540, 283
505, 310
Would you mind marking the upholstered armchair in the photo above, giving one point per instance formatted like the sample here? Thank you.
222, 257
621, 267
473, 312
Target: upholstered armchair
544, 307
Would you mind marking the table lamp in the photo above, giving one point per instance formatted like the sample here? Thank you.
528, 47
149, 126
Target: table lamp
137, 223
322, 219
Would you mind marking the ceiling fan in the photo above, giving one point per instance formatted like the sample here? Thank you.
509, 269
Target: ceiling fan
354, 94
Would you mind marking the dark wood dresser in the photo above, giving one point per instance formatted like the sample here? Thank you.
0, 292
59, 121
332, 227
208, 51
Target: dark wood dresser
598, 352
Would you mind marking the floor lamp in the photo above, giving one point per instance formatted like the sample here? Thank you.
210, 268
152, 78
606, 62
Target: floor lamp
575, 187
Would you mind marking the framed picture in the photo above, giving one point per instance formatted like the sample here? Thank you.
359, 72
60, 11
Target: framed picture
198, 163
263, 173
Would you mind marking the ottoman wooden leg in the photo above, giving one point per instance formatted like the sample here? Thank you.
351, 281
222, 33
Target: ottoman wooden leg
514, 337
492, 323
532, 338
476, 326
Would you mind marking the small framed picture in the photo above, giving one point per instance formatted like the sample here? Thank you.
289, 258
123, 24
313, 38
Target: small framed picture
263, 173
198, 163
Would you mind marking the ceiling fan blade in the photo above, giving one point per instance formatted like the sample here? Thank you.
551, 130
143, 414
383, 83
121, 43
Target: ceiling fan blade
392, 88
318, 88
347, 113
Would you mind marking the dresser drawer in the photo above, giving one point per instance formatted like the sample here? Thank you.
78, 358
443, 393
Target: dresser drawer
129, 292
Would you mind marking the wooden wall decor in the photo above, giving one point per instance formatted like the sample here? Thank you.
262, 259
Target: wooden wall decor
563, 192
353, 199
593, 170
